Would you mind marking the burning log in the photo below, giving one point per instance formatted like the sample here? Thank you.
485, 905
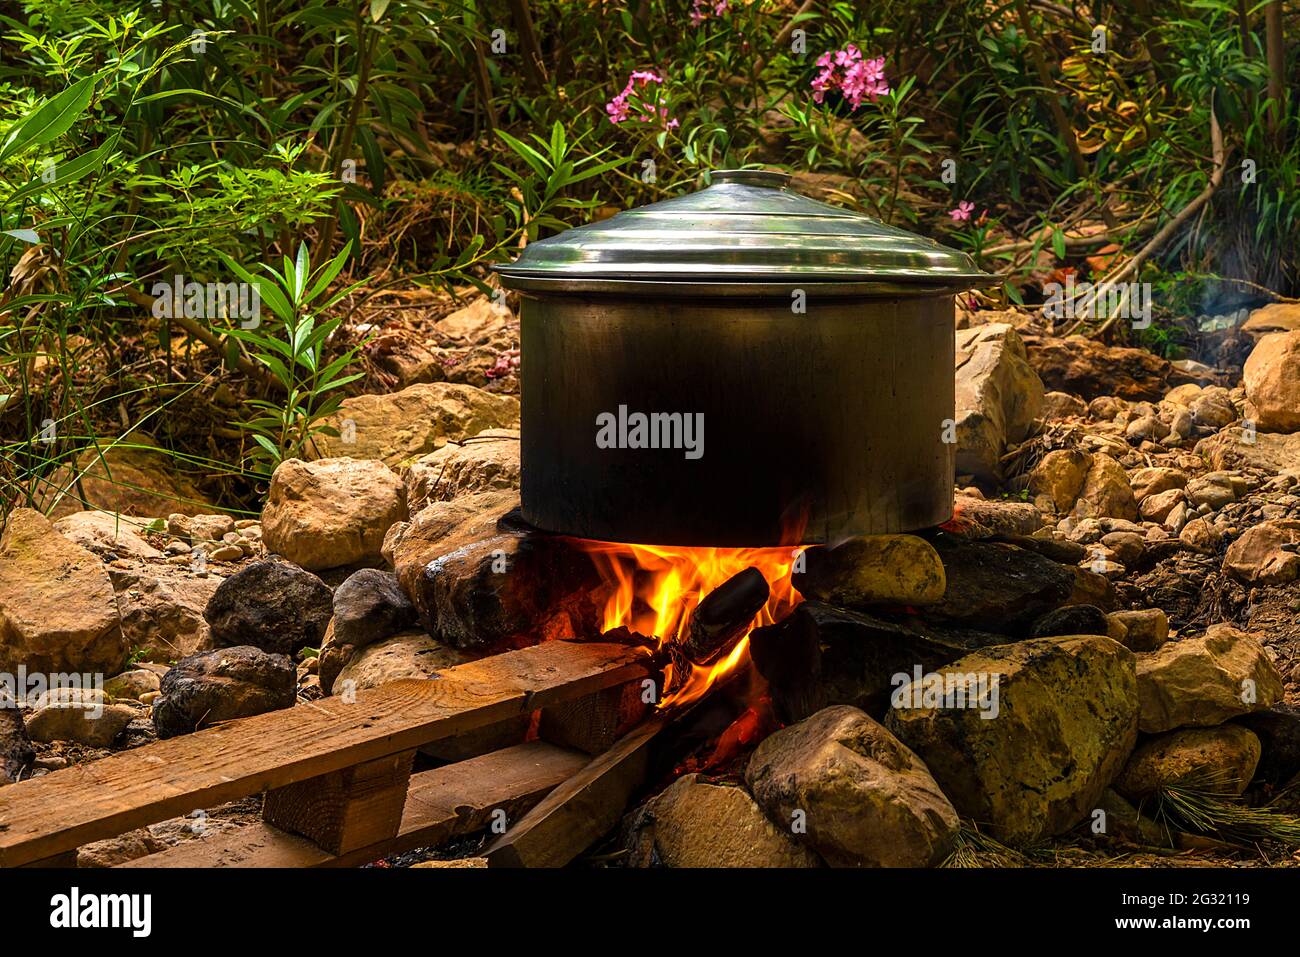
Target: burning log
723, 616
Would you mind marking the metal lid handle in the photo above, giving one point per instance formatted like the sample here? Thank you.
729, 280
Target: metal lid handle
772, 179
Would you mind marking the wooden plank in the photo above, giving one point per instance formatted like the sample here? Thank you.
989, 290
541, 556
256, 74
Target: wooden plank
57, 812
344, 810
594, 722
440, 804
582, 809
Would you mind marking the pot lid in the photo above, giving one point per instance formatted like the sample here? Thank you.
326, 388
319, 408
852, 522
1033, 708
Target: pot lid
747, 227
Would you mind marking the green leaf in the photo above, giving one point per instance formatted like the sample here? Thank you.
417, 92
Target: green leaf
50, 120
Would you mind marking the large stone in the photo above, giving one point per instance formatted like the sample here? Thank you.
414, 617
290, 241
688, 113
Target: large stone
1090, 369
1266, 554
873, 570
998, 396
401, 426
1066, 720
58, 612
411, 654
162, 609
82, 715
479, 579
865, 799
1199, 682
368, 607
272, 605
221, 685
999, 587
1235, 448
1106, 492
331, 512
131, 477
107, 532
1272, 380
1220, 759
489, 461
1057, 480
694, 823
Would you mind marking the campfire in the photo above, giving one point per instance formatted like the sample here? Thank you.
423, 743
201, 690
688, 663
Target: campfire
697, 606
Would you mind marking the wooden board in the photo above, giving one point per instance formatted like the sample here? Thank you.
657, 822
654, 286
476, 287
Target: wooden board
441, 804
583, 808
44, 816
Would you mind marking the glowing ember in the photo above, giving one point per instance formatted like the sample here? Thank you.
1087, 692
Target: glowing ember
653, 589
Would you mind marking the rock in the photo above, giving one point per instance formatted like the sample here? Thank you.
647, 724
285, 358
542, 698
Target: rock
1199, 536
107, 532
197, 529
1272, 380
998, 397
133, 477
1106, 492
1221, 759
1199, 682
866, 800
694, 823
162, 609
1089, 369
1071, 620
999, 587
220, 685
486, 462
1144, 630
1066, 720
1158, 507
16, 751
1266, 554
130, 846
1146, 482
1238, 448
331, 512
873, 570
411, 654
401, 426
370, 606
132, 684
271, 605
1057, 480
1275, 317
1278, 730
1062, 405
1214, 490
58, 612
477, 323
81, 715
976, 518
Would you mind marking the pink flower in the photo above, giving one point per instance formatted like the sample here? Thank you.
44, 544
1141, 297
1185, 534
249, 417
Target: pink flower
961, 213
856, 79
633, 101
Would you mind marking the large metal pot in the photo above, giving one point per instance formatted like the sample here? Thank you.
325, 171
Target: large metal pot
805, 351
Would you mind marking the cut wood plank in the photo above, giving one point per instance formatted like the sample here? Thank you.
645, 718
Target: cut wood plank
440, 804
57, 812
344, 810
579, 811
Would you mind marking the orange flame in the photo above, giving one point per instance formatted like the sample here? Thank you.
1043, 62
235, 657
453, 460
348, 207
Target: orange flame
654, 588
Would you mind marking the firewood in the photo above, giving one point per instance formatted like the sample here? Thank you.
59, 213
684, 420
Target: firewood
724, 615
580, 811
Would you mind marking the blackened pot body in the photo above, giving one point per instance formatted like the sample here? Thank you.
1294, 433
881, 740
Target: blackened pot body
815, 426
